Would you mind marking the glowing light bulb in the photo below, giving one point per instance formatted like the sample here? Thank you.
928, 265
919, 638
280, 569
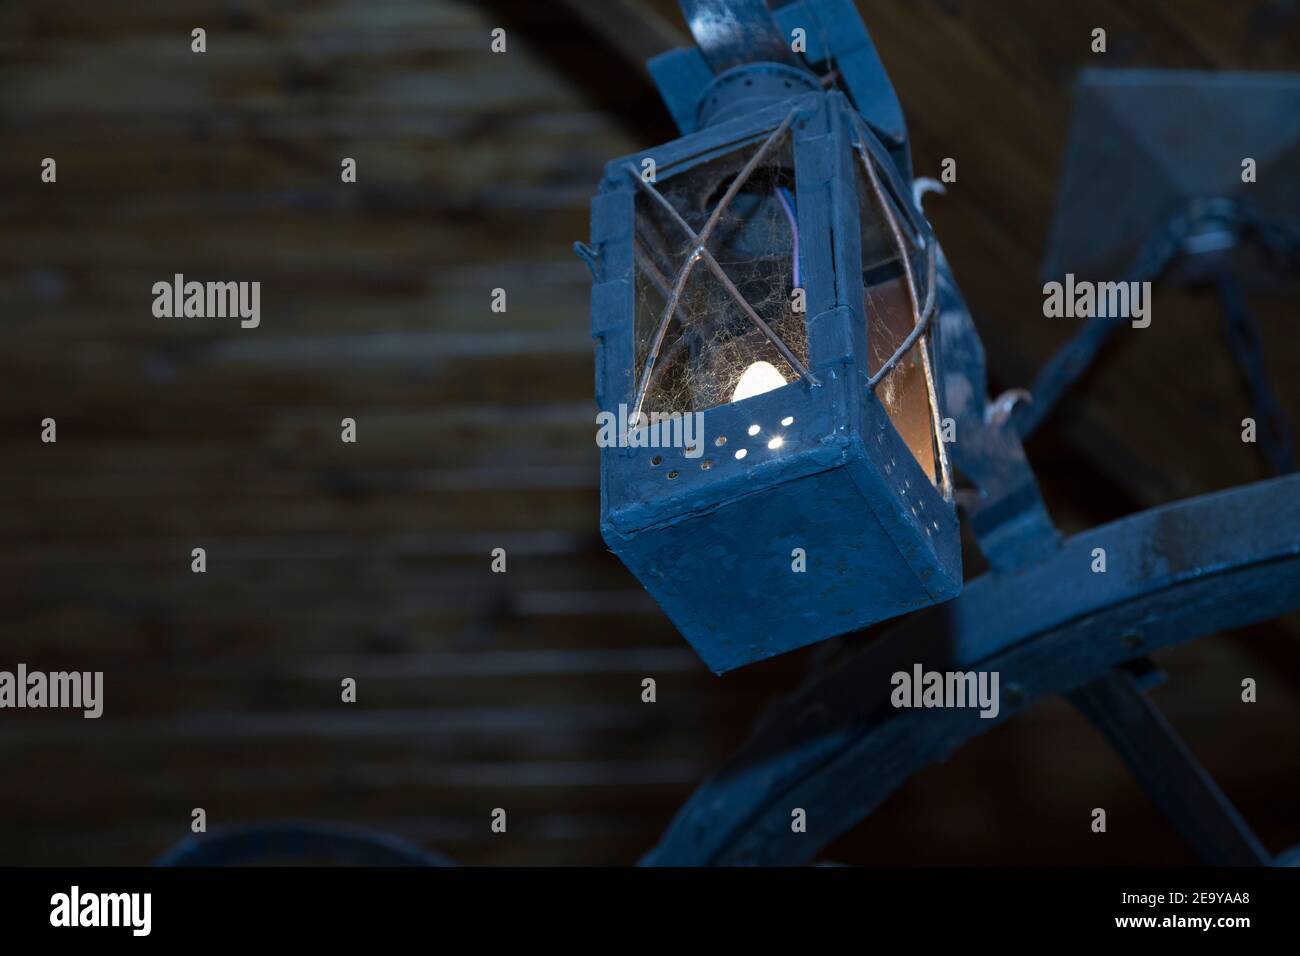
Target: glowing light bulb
758, 378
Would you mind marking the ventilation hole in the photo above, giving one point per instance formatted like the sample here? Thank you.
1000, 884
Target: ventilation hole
787, 421
741, 452
705, 465
776, 443
672, 475
720, 440
754, 429
657, 460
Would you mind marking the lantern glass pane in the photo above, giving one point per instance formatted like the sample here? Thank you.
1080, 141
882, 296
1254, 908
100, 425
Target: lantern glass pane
890, 318
712, 351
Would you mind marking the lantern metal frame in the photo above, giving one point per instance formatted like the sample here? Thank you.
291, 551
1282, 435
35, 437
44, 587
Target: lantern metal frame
842, 476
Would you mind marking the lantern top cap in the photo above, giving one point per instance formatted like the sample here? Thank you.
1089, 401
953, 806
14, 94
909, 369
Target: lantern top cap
744, 89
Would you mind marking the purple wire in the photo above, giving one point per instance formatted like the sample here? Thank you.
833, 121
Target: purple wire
787, 204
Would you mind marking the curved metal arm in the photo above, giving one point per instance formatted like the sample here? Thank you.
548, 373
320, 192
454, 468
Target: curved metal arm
1175, 573
280, 842
734, 32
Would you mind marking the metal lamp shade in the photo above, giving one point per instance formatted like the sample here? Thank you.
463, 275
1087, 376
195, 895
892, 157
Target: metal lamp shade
816, 462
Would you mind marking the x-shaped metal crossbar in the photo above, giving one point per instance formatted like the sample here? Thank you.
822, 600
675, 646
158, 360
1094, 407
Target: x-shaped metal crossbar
922, 311
700, 252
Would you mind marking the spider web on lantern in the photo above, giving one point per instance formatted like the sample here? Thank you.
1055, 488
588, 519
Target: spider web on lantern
717, 262
710, 341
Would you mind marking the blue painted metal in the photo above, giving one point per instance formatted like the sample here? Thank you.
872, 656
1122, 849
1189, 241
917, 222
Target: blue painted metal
746, 89
839, 44
681, 76
732, 32
1169, 255
1007, 515
1168, 771
1146, 146
298, 842
836, 48
1152, 190
714, 547
1241, 329
712, 538
838, 749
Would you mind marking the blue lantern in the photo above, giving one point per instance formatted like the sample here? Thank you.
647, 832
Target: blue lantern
772, 469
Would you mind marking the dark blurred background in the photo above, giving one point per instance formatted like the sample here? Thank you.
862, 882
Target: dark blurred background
475, 430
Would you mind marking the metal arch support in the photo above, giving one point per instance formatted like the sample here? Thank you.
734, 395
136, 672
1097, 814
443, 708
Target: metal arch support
837, 748
1169, 772
302, 842
733, 32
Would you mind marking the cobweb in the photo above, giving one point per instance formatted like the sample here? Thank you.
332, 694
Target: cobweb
710, 341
